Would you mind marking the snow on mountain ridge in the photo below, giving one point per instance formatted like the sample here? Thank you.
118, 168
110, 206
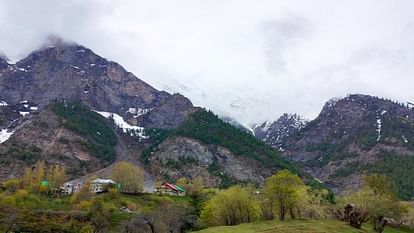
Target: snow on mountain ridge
273, 133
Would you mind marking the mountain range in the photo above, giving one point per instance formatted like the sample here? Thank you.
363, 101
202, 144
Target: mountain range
65, 104
351, 137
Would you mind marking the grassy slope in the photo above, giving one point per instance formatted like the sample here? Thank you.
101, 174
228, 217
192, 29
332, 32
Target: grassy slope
299, 226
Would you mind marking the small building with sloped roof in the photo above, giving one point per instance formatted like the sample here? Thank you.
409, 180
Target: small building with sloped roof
170, 189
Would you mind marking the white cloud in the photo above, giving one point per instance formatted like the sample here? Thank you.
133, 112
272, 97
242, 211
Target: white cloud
248, 59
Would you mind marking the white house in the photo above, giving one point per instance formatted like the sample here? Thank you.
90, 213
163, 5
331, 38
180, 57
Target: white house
101, 185
69, 188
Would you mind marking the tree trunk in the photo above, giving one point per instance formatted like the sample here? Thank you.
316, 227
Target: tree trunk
292, 213
298, 213
152, 227
282, 213
356, 219
379, 224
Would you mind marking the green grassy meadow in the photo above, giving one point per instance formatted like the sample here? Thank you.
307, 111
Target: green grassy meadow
297, 226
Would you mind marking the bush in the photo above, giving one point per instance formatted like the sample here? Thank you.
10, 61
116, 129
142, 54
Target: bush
230, 207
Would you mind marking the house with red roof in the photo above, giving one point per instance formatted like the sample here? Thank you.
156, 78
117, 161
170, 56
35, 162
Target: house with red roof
170, 190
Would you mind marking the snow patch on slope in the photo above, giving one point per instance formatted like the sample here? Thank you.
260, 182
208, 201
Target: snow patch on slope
5, 135
3, 103
125, 126
137, 112
23, 113
405, 139
379, 124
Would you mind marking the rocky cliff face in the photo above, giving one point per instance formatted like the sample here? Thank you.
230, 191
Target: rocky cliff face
353, 136
185, 157
43, 136
3, 64
70, 71
169, 114
274, 133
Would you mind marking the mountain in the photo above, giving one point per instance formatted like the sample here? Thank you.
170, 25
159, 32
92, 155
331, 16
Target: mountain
204, 144
65, 104
353, 136
70, 71
81, 140
274, 133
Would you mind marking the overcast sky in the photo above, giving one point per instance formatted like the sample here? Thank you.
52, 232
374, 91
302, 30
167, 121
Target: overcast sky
252, 60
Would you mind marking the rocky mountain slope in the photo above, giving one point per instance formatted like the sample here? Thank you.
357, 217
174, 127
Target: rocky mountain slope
353, 136
70, 71
274, 133
53, 137
65, 104
204, 144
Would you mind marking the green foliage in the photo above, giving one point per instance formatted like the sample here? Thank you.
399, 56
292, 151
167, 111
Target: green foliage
376, 199
400, 170
298, 226
129, 177
157, 136
230, 207
283, 190
28, 154
101, 139
398, 128
42, 213
208, 128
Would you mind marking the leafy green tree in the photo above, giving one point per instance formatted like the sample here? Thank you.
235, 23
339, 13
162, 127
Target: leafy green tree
129, 176
166, 217
192, 187
376, 201
230, 207
27, 179
56, 175
283, 190
314, 203
39, 176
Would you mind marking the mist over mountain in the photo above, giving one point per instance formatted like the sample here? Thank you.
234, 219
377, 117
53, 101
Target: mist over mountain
252, 64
